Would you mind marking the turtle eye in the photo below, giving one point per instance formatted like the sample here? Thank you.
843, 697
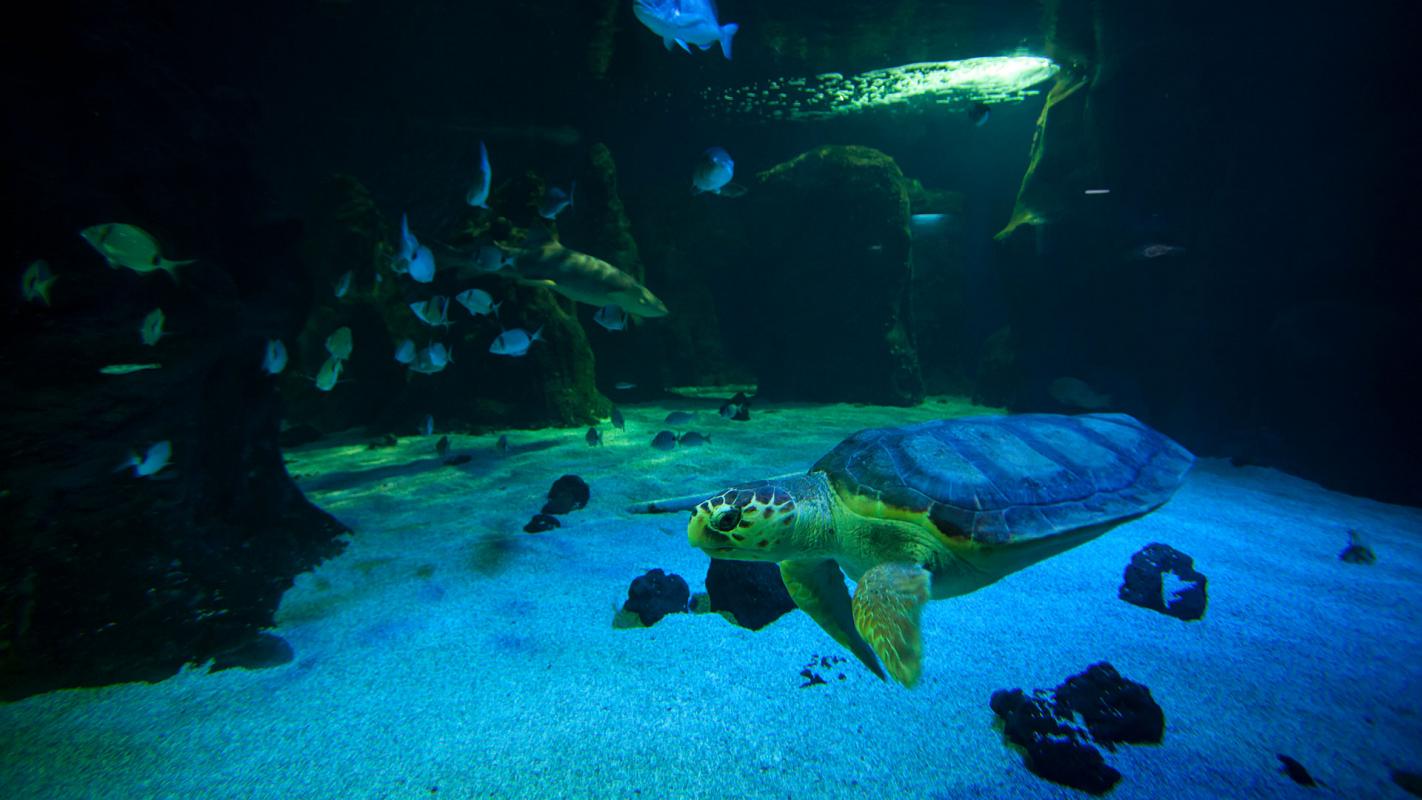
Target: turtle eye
726, 519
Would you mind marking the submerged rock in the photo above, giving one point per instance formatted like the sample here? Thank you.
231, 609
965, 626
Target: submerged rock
751, 591
1145, 583
264, 651
541, 523
655, 594
1059, 729
569, 493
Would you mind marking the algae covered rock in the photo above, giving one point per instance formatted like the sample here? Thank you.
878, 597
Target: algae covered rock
822, 295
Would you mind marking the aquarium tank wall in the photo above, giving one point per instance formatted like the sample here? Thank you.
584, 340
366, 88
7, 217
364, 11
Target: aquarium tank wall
596, 398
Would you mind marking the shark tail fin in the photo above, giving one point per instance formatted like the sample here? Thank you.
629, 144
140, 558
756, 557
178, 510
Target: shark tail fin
727, 31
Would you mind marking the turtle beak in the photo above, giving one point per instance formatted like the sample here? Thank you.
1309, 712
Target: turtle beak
702, 537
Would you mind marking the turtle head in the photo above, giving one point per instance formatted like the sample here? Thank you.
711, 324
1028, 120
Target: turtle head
761, 521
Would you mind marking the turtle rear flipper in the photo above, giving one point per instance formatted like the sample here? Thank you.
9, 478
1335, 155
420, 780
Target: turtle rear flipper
887, 606
817, 587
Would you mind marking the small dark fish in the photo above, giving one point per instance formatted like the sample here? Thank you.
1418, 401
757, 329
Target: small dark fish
442, 446
455, 461
388, 440
979, 113
1356, 552
1156, 251
666, 440
1296, 771
593, 437
679, 417
617, 421
737, 408
503, 446
693, 439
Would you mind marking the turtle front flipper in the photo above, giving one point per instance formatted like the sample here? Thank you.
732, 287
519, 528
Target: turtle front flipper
887, 605
817, 587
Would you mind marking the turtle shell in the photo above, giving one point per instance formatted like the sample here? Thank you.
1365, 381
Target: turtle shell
997, 480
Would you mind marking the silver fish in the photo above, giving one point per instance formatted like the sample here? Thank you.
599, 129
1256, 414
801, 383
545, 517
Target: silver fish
555, 200
434, 311
617, 420
693, 439
152, 328
36, 281
340, 343
405, 352
611, 317
131, 247
492, 258
330, 373
514, 342
679, 417
664, 441
593, 437
275, 359
478, 195
478, 302
343, 284
429, 424
152, 461
127, 369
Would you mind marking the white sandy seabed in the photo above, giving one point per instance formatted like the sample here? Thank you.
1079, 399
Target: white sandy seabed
448, 654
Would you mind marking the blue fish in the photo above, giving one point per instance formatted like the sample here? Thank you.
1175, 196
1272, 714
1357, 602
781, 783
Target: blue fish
514, 342
275, 360
408, 245
555, 200
152, 461
683, 22
713, 174
35, 283
478, 195
612, 317
422, 266
405, 352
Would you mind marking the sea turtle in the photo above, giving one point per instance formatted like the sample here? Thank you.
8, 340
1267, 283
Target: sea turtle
936, 510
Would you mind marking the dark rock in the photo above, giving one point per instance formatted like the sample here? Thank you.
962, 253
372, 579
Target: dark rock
1144, 583
1055, 749
656, 594
751, 591
569, 493
264, 651
541, 523
1115, 710
1410, 782
1111, 710
1296, 771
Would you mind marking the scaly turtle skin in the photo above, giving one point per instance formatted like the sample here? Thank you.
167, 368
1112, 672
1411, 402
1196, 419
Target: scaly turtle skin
937, 510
